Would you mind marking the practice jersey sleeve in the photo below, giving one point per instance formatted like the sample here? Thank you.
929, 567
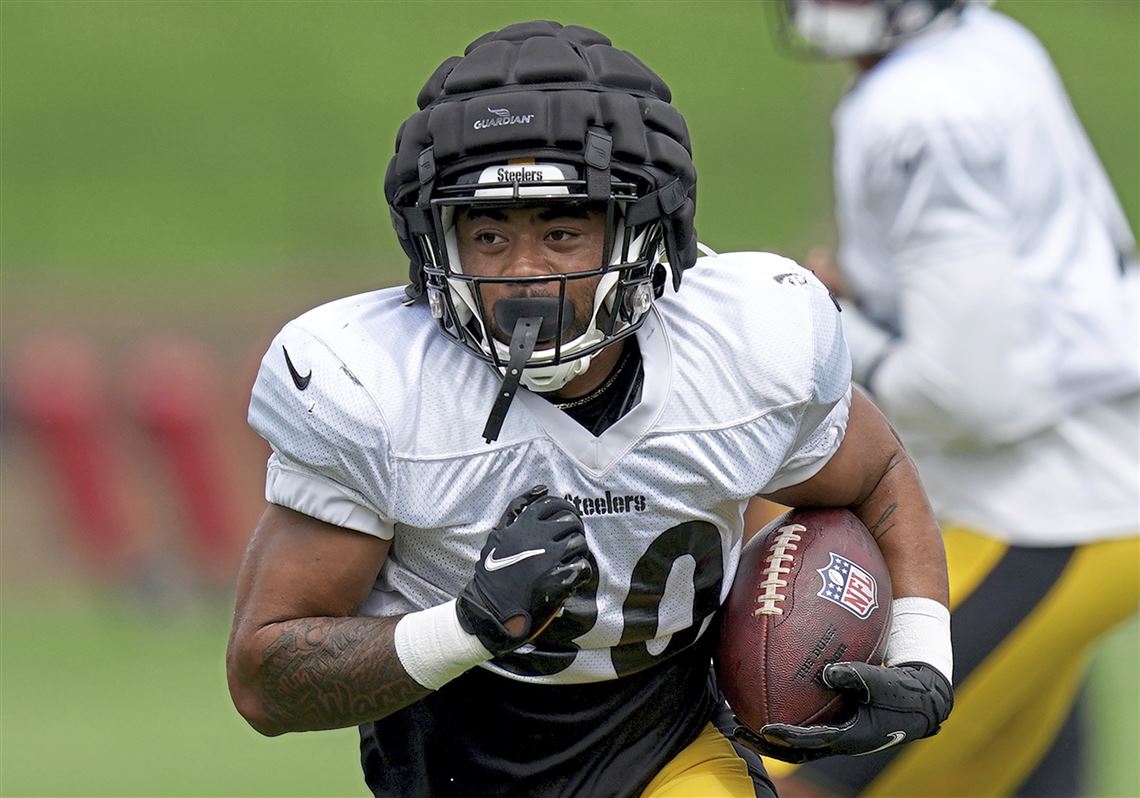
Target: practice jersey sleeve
937, 190
329, 439
953, 374
998, 336
823, 413
947, 237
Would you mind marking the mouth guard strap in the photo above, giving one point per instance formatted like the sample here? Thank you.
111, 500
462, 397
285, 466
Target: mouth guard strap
523, 340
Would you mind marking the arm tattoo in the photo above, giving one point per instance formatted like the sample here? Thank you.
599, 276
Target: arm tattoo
327, 673
881, 527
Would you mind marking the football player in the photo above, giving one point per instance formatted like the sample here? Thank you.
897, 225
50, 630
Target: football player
989, 290
506, 502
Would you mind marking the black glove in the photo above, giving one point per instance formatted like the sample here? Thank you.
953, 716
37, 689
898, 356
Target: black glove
532, 561
897, 704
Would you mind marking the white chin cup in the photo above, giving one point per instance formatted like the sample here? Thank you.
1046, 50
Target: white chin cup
545, 379
842, 30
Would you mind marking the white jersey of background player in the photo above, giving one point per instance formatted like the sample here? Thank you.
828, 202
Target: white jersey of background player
977, 221
361, 449
996, 327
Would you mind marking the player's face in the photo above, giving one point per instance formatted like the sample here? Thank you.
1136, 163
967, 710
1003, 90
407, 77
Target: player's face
534, 242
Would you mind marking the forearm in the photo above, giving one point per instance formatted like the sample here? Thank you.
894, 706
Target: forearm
323, 673
899, 516
872, 475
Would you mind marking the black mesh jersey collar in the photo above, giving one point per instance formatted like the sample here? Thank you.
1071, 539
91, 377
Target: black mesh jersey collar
606, 404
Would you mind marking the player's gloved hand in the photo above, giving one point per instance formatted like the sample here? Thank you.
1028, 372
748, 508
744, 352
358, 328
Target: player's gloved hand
896, 704
534, 558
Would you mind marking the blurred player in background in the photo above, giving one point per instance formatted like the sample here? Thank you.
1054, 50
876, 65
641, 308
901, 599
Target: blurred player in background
414, 576
989, 288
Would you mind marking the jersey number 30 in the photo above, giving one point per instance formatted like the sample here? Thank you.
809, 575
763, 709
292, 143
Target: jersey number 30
555, 650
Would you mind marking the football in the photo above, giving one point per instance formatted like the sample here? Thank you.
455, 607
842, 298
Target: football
811, 589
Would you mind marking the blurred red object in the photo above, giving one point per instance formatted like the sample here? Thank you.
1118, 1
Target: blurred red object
58, 385
175, 388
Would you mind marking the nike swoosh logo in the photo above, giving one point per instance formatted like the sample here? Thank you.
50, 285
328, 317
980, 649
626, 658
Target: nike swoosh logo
301, 382
491, 564
896, 738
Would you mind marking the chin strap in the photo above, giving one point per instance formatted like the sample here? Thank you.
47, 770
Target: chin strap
523, 340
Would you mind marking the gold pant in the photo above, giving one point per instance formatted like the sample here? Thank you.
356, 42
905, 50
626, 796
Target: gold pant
709, 767
1008, 709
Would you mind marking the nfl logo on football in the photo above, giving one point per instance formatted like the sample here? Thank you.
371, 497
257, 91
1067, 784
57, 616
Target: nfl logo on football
849, 586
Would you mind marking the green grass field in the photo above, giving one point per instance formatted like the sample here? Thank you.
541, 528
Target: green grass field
184, 142
103, 700
214, 167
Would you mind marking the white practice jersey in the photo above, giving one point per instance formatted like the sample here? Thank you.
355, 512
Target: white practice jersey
977, 223
746, 390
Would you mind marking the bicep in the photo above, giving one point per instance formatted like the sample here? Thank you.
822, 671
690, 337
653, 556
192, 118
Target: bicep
297, 566
853, 471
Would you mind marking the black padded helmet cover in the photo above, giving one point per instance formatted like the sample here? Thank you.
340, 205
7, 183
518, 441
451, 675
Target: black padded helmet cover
542, 89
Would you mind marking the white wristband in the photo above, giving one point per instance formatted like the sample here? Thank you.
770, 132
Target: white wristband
920, 632
434, 648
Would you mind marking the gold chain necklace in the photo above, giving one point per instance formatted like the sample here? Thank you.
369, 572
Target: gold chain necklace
594, 394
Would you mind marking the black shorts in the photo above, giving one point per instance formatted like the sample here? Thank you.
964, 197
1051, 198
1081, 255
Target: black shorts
484, 735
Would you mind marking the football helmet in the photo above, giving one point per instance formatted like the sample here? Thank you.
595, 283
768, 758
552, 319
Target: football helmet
851, 28
538, 114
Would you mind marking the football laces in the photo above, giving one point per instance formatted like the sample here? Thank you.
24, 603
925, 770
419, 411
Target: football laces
778, 564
